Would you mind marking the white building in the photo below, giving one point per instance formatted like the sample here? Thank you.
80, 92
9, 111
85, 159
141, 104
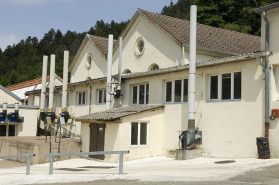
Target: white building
153, 109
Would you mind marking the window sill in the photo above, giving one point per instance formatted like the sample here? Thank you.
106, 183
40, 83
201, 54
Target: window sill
138, 104
171, 103
219, 101
139, 146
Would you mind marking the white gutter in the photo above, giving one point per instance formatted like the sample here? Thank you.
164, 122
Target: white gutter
65, 80
109, 69
51, 83
43, 91
192, 67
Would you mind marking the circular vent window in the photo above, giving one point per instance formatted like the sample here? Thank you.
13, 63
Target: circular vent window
139, 46
89, 61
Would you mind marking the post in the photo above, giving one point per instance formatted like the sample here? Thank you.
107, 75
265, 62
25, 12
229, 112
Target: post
27, 165
109, 66
50, 165
120, 163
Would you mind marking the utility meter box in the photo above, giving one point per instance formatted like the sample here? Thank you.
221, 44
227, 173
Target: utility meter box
275, 113
12, 117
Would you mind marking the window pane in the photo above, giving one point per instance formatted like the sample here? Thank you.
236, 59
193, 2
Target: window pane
143, 133
185, 91
168, 91
226, 86
214, 87
147, 94
134, 134
100, 96
141, 94
105, 96
237, 85
79, 98
177, 91
83, 98
135, 93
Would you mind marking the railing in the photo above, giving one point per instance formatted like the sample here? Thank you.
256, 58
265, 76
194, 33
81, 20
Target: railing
51, 155
22, 155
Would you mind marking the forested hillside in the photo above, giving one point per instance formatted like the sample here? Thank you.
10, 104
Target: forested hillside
23, 61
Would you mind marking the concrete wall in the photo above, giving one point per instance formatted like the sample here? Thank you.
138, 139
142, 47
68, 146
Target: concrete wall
8, 98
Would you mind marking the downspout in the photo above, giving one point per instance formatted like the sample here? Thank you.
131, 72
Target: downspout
266, 75
183, 56
118, 88
109, 66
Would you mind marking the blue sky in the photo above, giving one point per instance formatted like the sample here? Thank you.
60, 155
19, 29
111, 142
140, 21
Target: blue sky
23, 18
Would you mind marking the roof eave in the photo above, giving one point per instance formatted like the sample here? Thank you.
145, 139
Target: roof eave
267, 7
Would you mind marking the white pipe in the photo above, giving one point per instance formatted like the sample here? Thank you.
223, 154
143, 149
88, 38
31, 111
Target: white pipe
4, 105
65, 79
109, 66
44, 76
192, 66
119, 64
51, 81
16, 106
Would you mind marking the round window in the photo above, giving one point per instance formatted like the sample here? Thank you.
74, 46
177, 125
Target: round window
139, 46
89, 61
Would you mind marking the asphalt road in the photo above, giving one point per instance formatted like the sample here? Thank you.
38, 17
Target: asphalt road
267, 176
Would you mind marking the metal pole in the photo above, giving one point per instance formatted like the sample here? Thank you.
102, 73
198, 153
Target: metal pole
27, 165
50, 165
120, 163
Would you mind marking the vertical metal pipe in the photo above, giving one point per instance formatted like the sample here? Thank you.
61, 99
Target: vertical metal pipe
109, 66
43, 91
16, 106
50, 165
65, 80
121, 163
51, 83
267, 112
192, 67
28, 165
119, 64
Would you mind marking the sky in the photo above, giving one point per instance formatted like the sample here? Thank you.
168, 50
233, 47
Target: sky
22, 18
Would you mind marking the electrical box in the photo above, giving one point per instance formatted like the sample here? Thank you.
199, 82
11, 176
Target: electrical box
275, 113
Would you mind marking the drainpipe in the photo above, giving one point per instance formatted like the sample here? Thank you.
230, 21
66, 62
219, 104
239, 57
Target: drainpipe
183, 56
118, 87
65, 81
109, 66
43, 90
266, 75
192, 67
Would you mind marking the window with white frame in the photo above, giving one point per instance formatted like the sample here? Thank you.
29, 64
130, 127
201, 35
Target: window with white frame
139, 133
101, 96
226, 86
140, 94
176, 91
82, 98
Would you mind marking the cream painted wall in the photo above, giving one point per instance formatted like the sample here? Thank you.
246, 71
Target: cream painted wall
8, 98
98, 68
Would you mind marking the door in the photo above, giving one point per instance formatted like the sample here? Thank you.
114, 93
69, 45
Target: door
97, 139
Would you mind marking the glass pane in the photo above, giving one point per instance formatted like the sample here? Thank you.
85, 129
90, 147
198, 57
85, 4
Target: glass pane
100, 96
226, 86
11, 130
141, 94
135, 93
147, 94
105, 96
177, 91
143, 133
83, 98
214, 87
168, 91
237, 85
134, 134
185, 91
101, 131
3, 130
79, 98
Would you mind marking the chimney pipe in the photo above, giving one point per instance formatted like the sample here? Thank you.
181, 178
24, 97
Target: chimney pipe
43, 91
192, 67
65, 81
51, 83
109, 66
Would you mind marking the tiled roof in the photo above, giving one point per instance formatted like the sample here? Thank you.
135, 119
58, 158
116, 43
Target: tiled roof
117, 113
101, 43
267, 7
208, 38
10, 93
26, 84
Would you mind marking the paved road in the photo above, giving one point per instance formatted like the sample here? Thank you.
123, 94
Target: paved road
267, 176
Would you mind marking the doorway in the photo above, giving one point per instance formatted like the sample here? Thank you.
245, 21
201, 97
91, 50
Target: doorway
97, 139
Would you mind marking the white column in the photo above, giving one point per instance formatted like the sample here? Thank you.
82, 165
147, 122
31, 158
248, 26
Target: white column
51, 83
65, 79
44, 76
109, 66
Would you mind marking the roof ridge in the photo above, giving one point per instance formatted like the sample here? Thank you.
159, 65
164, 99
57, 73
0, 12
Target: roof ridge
100, 37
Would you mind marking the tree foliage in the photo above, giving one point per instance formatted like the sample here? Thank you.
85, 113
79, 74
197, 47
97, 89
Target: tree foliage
236, 15
23, 61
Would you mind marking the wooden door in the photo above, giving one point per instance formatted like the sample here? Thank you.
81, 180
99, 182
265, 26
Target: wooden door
97, 139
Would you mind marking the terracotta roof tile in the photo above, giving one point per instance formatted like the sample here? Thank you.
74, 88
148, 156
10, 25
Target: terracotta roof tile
208, 37
26, 84
101, 43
